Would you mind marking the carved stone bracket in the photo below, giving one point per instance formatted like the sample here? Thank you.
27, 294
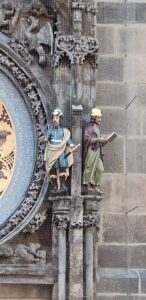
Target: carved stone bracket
75, 49
61, 221
25, 82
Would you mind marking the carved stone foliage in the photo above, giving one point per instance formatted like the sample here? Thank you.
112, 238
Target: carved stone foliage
89, 221
30, 24
22, 254
31, 93
36, 222
76, 225
20, 49
61, 221
75, 49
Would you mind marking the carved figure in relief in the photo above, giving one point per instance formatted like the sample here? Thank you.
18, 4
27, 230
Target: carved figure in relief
38, 37
30, 253
6, 12
93, 142
57, 160
8, 16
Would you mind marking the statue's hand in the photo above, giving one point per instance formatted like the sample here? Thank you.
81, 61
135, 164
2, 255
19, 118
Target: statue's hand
103, 140
74, 147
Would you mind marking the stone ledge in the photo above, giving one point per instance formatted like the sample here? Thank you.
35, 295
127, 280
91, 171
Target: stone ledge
35, 274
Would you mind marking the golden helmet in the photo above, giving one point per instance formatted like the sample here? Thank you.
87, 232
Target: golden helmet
96, 112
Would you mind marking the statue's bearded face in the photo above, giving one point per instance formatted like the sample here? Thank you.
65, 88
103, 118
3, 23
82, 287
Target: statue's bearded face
56, 120
98, 120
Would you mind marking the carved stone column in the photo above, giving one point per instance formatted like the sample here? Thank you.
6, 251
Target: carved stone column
90, 222
60, 220
76, 250
76, 214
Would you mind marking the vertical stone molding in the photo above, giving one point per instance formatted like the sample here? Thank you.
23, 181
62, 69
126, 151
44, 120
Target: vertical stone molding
60, 221
77, 138
90, 222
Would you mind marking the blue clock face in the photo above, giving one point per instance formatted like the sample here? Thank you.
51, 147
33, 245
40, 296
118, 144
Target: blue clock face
17, 148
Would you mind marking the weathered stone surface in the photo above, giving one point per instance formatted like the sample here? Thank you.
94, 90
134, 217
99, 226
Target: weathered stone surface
121, 12
114, 228
144, 122
143, 281
114, 188
135, 69
25, 291
136, 159
117, 282
135, 192
117, 297
137, 93
114, 120
133, 123
122, 228
111, 12
136, 256
114, 156
122, 256
110, 68
107, 186
112, 256
130, 39
105, 36
88, 97
111, 94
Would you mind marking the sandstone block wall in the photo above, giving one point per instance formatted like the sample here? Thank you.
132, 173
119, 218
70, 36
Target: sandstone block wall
121, 93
